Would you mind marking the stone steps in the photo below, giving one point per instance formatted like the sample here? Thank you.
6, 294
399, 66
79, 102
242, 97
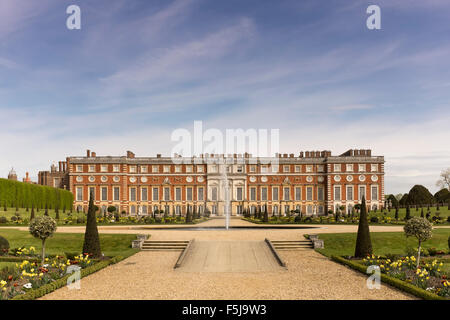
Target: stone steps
164, 245
292, 244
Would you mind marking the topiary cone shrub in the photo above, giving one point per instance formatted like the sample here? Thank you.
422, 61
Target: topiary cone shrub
91, 243
42, 228
363, 242
4, 246
266, 214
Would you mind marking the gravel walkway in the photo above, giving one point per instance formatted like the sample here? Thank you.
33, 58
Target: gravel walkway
150, 275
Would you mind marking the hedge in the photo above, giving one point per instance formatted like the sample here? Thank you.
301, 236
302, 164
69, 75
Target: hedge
50, 287
399, 284
19, 194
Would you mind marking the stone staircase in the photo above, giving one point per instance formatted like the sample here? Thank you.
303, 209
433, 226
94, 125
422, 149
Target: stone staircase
164, 245
292, 244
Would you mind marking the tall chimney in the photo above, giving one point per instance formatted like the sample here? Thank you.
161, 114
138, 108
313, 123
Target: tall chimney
88, 153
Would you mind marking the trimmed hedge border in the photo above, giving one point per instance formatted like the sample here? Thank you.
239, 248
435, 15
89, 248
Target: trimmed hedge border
399, 284
50, 287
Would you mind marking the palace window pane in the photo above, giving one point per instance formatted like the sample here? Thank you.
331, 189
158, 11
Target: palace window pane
144, 196
275, 194
374, 193
200, 194
116, 193
286, 169
374, 167
309, 168
362, 192
144, 209
104, 168
80, 168
349, 167
155, 194
337, 167
297, 169
144, 169
133, 169
79, 193
92, 168
320, 168
178, 194
361, 167
239, 194
286, 194
104, 193
189, 194
214, 194
133, 194
349, 193
309, 193
252, 194
264, 194
337, 193
298, 193
320, 194
116, 168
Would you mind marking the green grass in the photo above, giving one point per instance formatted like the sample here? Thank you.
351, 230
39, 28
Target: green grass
111, 244
444, 212
7, 264
343, 244
26, 215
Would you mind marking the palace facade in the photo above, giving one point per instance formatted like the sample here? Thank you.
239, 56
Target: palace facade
314, 182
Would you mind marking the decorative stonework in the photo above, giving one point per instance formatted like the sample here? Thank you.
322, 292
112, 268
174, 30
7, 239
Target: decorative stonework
189, 179
309, 179
144, 179
337, 178
349, 178
132, 179
362, 178
374, 178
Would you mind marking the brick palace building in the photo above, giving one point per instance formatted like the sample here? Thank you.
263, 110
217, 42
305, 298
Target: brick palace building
313, 182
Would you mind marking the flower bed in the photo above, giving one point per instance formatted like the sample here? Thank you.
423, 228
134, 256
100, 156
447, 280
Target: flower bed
29, 275
427, 281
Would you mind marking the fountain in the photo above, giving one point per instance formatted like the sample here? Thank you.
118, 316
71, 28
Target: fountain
226, 190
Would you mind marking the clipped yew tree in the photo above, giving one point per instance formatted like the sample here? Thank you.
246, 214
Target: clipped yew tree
363, 242
421, 229
266, 214
42, 228
91, 243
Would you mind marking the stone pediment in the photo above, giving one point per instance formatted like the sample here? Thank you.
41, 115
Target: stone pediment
166, 180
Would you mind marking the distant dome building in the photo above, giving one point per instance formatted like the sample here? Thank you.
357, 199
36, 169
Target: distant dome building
12, 175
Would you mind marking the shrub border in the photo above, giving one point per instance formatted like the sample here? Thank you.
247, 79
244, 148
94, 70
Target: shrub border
399, 284
50, 287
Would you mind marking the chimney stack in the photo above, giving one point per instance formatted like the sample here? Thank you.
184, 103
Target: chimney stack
88, 153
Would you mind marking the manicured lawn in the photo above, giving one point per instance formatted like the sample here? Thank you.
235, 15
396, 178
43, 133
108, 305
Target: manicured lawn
111, 244
26, 215
343, 244
444, 212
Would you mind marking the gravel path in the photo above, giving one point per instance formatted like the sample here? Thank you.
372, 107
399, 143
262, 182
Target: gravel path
150, 275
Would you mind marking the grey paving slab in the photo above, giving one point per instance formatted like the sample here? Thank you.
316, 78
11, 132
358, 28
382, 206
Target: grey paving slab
229, 256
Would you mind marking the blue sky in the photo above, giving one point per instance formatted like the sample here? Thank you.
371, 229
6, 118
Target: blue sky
138, 69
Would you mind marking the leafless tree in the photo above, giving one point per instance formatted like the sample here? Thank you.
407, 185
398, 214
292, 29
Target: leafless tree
444, 182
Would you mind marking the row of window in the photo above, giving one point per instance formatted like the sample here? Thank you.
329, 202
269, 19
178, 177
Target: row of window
239, 195
189, 196
215, 168
142, 168
350, 193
